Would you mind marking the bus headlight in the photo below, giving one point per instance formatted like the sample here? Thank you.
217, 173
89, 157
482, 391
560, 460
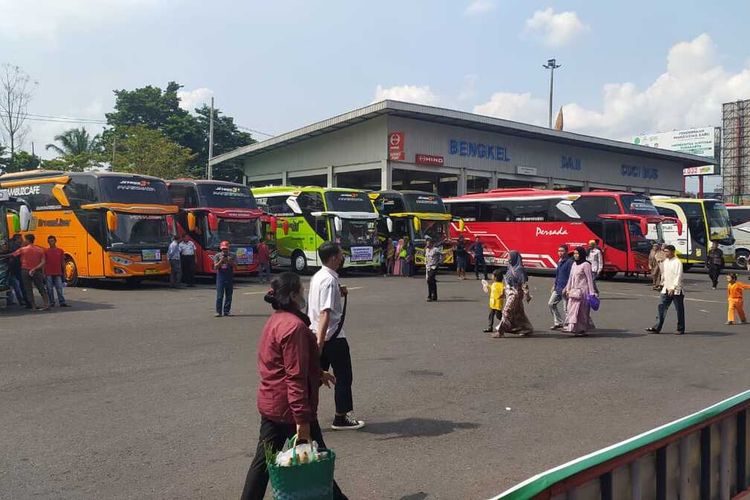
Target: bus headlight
120, 260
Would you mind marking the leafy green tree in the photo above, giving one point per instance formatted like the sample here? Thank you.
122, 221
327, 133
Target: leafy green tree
78, 149
142, 150
22, 160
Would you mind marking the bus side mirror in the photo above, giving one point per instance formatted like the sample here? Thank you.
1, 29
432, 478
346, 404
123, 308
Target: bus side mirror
191, 222
679, 227
274, 223
338, 224
417, 224
170, 224
389, 224
24, 216
294, 205
644, 226
285, 226
111, 221
461, 225
213, 222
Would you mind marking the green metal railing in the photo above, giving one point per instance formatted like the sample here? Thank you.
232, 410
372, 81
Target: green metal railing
703, 455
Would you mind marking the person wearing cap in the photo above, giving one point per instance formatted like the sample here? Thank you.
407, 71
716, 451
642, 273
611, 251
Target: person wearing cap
224, 264
433, 257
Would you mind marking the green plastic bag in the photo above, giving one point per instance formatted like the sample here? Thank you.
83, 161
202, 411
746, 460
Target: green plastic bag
310, 481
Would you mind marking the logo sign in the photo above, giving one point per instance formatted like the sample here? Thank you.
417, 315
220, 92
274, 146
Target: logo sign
478, 150
639, 171
54, 223
361, 254
570, 163
521, 170
551, 232
23, 190
704, 170
396, 146
421, 159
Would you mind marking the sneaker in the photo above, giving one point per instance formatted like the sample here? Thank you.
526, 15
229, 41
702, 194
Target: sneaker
729, 323
487, 330
679, 333
346, 422
65, 305
227, 314
652, 330
556, 327
217, 315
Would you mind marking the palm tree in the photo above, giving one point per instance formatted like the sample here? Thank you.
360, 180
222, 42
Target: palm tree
77, 149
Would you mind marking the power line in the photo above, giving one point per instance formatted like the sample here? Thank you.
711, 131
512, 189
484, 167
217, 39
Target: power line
254, 131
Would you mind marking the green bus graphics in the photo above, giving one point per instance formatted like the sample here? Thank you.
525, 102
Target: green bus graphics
416, 215
15, 217
309, 216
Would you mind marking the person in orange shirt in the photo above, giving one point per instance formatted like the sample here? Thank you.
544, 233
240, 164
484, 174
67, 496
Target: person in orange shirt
734, 299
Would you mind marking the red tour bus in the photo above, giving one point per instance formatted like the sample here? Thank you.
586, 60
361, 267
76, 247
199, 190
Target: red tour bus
214, 211
535, 222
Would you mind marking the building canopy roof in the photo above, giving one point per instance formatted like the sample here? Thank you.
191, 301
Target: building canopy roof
458, 119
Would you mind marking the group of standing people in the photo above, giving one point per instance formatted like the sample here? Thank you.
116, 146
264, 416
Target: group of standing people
31, 266
461, 253
397, 257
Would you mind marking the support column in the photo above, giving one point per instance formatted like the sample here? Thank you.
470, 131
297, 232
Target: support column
493, 180
586, 187
386, 174
550, 183
330, 180
284, 177
461, 184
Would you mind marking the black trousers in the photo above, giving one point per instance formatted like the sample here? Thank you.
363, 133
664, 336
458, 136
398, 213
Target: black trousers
713, 273
494, 313
187, 263
483, 263
432, 284
275, 434
336, 355
679, 305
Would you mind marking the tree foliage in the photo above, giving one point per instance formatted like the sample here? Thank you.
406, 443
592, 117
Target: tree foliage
142, 150
78, 150
16, 91
22, 160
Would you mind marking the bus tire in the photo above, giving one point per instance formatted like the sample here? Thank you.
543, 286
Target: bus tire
687, 267
299, 262
71, 271
741, 259
608, 275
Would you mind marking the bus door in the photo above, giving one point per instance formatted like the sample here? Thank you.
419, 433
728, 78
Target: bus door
322, 234
615, 238
88, 255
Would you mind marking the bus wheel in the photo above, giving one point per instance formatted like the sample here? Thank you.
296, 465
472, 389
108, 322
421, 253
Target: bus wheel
299, 262
741, 259
608, 275
71, 271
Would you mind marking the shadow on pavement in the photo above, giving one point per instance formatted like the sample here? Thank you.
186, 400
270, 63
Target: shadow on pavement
416, 427
415, 496
78, 305
710, 334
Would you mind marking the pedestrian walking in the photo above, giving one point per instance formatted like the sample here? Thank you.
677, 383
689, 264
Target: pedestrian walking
14, 272
400, 256
409, 258
32, 271
460, 254
326, 306
497, 299
562, 273
735, 302
264, 262
175, 264
290, 379
187, 260
477, 249
433, 256
54, 270
390, 257
714, 263
671, 292
578, 289
224, 265
516, 283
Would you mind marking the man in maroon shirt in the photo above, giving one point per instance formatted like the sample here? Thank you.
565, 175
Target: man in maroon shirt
54, 269
264, 262
32, 270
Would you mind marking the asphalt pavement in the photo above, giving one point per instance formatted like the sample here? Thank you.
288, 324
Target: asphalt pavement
142, 393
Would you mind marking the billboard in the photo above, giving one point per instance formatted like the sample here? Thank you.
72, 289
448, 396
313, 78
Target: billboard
695, 141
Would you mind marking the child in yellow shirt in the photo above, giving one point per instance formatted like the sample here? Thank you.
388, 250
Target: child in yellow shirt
497, 299
734, 299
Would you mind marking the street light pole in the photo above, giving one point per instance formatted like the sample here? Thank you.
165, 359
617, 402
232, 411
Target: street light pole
209, 167
551, 66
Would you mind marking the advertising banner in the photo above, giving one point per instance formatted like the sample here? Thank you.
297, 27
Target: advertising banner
396, 146
695, 141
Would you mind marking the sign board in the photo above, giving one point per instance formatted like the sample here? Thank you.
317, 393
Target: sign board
703, 170
521, 170
361, 254
396, 146
244, 256
694, 141
421, 159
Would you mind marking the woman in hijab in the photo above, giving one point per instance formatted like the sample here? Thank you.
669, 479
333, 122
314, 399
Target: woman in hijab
400, 258
580, 286
516, 289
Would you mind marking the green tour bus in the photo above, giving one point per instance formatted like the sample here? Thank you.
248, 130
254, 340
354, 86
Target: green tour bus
311, 215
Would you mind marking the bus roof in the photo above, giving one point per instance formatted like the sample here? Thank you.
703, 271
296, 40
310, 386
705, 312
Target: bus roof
665, 199
291, 189
531, 193
198, 182
404, 191
42, 174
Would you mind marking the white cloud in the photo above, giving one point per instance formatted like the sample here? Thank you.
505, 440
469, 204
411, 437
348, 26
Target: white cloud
688, 94
556, 29
468, 88
479, 7
407, 93
45, 19
191, 99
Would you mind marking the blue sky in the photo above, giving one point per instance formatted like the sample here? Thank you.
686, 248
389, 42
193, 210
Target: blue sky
628, 67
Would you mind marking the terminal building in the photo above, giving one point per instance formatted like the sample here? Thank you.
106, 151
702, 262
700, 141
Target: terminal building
397, 145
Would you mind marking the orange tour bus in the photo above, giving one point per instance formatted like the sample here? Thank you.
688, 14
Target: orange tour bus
110, 225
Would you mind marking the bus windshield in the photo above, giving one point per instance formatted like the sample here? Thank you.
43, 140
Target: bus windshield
349, 201
235, 231
225, 196
134, 189
416, 202
435, 229
717, 216
357, 232
140, 230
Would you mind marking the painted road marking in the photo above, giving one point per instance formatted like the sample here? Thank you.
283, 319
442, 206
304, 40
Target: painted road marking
264, 292
657, 296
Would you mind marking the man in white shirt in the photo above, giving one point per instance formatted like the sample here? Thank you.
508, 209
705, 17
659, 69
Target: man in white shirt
175, 265
671, 292
595, 258
325, 307
187, 260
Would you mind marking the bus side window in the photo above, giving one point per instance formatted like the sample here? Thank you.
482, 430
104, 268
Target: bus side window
311, 202
467, 211
667, 212
81, 190
321, 227
614, 234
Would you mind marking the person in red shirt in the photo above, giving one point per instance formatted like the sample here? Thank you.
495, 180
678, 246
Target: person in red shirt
32, 270
290, 378
264, 262
54, 269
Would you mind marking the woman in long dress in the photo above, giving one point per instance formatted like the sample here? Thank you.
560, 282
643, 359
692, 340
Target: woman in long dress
580, 286
399, 260
516, 290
